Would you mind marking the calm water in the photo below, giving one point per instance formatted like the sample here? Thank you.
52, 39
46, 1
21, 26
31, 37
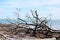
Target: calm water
54, 24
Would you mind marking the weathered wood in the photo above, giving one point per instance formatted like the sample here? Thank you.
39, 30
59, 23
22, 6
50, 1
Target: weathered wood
40, 27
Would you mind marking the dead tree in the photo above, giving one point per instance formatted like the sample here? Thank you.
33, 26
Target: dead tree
36, 22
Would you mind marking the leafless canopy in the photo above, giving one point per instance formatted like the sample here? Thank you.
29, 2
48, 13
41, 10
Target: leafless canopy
36, 22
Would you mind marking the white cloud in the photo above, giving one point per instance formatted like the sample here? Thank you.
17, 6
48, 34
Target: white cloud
31, 3
53, 2
35, 3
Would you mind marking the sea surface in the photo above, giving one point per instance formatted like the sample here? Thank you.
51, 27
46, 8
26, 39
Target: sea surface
54, 24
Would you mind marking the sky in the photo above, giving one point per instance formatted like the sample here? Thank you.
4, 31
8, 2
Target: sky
43, 7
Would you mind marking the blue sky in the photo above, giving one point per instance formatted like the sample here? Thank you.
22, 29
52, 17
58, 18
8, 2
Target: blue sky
44, 7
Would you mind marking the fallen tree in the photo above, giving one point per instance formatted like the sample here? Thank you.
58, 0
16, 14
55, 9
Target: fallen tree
36, 22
